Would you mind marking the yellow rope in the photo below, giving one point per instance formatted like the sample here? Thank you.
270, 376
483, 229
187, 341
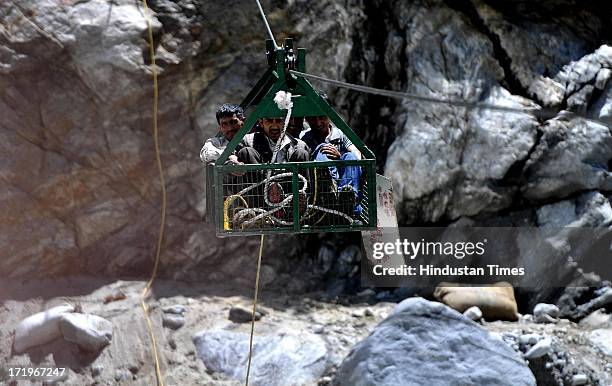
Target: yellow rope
261, 242
226, 204
146, 290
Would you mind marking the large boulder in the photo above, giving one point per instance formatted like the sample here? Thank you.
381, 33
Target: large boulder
447, 162
80, 190
427, 343
277, 359
536, 48
602, 339
572, 156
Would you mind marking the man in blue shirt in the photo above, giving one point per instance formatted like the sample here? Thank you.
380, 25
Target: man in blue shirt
329, 144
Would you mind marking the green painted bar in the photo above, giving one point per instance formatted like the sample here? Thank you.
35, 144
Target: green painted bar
309, 164
295, 188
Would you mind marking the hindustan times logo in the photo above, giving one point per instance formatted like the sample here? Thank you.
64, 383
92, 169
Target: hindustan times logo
412, 249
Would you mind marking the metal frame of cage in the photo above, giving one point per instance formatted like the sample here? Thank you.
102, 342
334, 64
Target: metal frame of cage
306, 102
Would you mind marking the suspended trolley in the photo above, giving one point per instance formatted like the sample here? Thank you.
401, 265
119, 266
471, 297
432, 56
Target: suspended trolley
308, 199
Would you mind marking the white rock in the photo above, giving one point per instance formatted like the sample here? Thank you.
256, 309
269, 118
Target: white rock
540, 349
39, 328
579, 379
545, 313
473, 313
288, 357
544, 318
89, 332
602, 339
529, 339
318, 329
544, 308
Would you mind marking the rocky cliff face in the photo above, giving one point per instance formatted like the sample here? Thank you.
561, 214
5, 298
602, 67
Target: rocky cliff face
80, 191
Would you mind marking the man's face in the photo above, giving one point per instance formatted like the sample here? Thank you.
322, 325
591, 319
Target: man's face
319, 124
272, 127
229, 126
295, 127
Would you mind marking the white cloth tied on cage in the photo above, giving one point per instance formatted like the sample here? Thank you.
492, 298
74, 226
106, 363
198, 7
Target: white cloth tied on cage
283, 100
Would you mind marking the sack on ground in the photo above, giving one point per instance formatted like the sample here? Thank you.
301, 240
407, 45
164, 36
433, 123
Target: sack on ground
39, 328
495, 302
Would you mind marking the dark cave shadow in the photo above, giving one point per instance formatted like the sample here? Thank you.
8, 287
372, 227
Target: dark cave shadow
49, 288
80, 286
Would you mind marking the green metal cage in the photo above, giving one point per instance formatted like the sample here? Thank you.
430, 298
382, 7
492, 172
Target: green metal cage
308, 199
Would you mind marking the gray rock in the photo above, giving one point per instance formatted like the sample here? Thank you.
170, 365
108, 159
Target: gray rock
325, 258
177, 309
173, 321
602, 78
383, 295
239, 314
579, 380
123, 375
473, 313
97, 369
602, 339
428, 343
268, 275
585, 70
347, 261
526, 339
545, 313
90, 332
597, 319
575, 163
578, 101
318, 329
301, 358
366, 293
600, 301
543, 347
535, 50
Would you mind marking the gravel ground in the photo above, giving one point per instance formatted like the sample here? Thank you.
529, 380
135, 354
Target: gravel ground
128, 359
